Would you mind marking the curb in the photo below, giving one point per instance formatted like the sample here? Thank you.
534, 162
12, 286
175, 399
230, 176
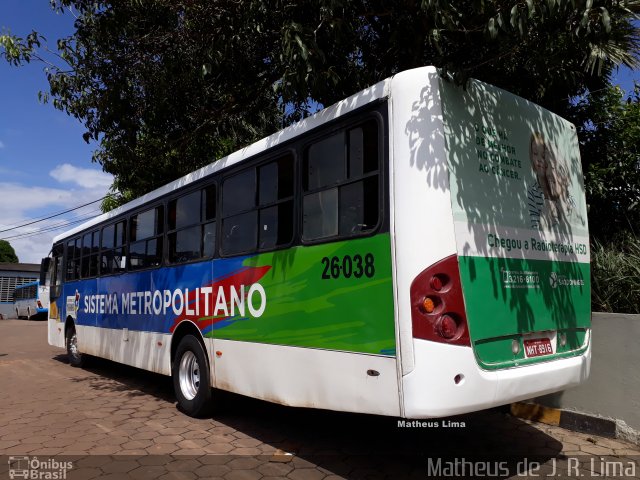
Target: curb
575, 421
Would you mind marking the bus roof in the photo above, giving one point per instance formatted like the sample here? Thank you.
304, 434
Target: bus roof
370, 94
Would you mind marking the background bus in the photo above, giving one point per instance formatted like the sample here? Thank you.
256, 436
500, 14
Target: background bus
31, 300
416, 250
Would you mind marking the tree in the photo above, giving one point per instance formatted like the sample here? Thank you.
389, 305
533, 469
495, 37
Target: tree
165, 86
609, 133
7, 253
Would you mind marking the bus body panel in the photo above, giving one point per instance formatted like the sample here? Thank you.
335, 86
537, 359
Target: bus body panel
421, 214
305, 377
431, 390
146, 350
334, 347
439, 378
55, 333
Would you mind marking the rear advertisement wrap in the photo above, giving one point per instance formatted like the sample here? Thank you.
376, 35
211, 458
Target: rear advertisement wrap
520, 219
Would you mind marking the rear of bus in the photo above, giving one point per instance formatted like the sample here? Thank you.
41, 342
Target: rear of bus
32, 300
490, 246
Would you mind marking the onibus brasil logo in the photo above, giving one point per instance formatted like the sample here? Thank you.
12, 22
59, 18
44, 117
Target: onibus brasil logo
34, 468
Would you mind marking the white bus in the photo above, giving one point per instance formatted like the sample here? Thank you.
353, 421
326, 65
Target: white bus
415, 250
31, 300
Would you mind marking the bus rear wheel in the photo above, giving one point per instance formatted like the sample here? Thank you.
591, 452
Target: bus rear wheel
73, 352
190, 373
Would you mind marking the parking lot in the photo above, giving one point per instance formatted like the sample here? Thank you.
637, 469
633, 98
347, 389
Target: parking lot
108, 420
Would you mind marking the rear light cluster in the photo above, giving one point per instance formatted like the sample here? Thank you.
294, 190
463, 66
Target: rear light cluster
437, 305
39, 303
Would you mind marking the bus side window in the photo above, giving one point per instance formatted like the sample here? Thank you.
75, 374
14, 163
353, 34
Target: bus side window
56, 272
341, 183
239, 217
112, 256
73, 260
90, 254
275, 199
145, 247
77, 257
184, 241
257, 208
69, 256
209, 218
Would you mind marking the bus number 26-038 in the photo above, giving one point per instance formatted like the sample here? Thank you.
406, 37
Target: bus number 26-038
347, 266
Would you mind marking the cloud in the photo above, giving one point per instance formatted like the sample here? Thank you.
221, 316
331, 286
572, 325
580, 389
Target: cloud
23, 204
82, 177
1, 144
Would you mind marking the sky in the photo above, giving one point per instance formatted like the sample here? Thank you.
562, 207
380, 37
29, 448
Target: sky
45, 165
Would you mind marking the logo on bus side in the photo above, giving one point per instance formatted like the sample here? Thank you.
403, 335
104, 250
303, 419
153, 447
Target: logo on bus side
223, 300
73, 304
558, 280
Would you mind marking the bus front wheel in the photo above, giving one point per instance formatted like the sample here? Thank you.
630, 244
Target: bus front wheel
190, 373
73, 352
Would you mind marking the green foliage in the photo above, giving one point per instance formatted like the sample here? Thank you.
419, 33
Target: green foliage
7, 253
17, 50
166, 86
609, 132
546, 51
615, 275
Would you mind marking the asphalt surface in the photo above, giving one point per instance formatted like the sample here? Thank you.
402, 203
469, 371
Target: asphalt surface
112, 421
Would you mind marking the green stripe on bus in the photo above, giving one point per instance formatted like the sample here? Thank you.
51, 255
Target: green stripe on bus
336, 296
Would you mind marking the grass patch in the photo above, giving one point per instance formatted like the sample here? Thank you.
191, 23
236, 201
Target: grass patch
615, 275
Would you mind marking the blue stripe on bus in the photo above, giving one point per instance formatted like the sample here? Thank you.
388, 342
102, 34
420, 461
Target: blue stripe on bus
181, 277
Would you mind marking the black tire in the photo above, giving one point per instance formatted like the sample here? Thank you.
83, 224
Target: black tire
190, 373
76, 359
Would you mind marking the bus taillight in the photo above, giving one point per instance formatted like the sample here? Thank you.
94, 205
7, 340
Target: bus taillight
437, 305
447, 327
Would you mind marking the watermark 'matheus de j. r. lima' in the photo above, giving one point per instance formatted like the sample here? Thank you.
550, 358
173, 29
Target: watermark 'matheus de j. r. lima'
564, 468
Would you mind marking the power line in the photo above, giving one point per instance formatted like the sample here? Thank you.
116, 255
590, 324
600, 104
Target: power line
51, 228
50, 216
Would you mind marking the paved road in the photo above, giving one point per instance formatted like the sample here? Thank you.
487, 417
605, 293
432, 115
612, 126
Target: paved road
112, 421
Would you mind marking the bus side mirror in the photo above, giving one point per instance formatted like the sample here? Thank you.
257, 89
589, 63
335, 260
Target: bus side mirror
44, 268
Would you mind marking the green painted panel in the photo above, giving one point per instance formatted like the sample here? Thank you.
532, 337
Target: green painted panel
336, 296
506, 296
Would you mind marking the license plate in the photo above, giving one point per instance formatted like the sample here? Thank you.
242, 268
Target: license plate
537, 347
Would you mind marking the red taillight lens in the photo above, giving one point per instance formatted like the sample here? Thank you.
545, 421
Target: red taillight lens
447, 327
437, 304
39, 303
436, 283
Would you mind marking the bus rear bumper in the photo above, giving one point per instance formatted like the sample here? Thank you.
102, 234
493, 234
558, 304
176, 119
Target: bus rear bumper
447, 380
